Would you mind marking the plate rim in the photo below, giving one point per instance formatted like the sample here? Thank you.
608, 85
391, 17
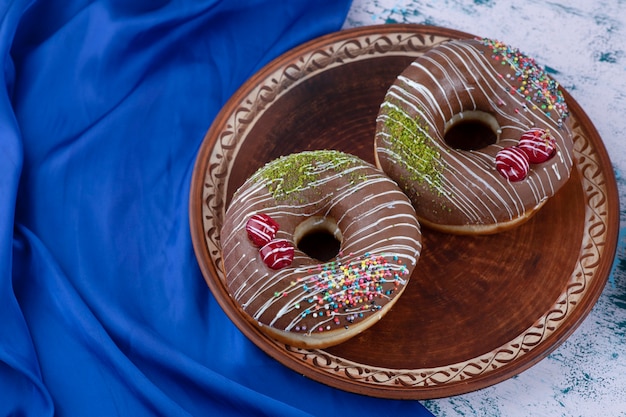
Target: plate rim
311, 362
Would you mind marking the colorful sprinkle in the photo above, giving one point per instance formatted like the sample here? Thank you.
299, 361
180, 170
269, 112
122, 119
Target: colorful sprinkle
534, 83
349, 286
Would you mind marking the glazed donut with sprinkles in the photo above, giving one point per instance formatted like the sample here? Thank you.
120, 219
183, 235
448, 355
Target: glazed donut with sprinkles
475, 133
317, 247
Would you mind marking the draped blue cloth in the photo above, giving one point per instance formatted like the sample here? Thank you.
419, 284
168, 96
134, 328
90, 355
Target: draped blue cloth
103, 309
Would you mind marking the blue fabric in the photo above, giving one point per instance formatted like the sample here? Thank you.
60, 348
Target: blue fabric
103, 309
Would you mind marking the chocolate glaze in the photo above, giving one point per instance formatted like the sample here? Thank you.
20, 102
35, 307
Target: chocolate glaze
377, 224
462, 187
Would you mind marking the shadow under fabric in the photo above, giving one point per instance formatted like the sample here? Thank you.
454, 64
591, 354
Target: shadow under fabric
104, 311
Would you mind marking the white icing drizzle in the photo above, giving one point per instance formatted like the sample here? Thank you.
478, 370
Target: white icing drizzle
469, 185
382, 243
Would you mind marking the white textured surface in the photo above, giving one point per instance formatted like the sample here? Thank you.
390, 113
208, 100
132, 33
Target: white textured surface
583, 45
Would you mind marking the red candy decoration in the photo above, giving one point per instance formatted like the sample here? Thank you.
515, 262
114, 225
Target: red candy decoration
261, 229
278, 253
538, 144
512, 163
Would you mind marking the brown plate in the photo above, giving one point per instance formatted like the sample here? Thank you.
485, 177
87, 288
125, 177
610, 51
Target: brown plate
477, 310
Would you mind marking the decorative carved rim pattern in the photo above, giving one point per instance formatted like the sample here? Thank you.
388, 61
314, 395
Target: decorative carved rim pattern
592, 248
406, 41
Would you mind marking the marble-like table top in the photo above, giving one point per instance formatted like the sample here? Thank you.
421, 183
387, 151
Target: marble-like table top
585, 44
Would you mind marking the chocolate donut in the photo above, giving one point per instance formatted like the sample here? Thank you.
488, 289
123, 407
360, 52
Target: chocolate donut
317, 246
473, 131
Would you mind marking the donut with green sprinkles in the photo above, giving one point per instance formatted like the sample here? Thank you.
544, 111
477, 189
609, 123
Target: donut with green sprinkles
343, 290
450, 127
343, 240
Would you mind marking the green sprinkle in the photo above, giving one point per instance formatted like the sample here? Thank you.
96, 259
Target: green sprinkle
411, 141
294, 173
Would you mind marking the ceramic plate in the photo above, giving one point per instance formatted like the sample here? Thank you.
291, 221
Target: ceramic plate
477, 310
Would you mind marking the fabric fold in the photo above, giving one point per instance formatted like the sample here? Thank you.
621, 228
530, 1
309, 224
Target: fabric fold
103, 108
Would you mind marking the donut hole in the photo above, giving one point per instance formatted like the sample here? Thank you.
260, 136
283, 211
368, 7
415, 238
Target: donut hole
318, 237
471, 130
